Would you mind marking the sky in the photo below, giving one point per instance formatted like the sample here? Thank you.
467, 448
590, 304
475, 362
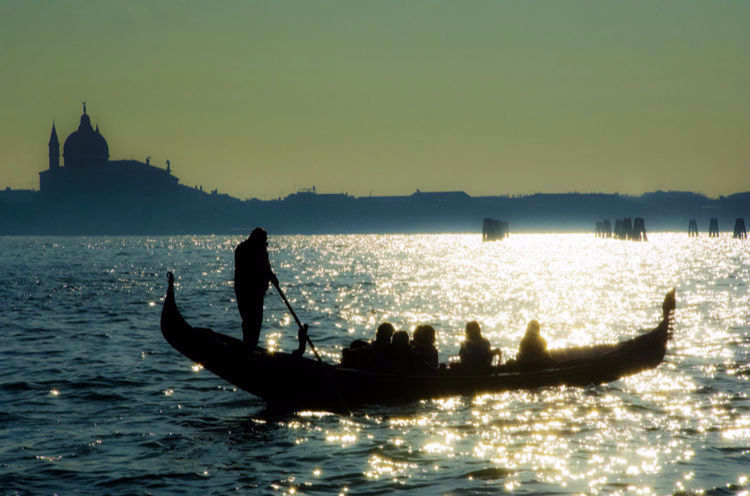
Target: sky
261, 98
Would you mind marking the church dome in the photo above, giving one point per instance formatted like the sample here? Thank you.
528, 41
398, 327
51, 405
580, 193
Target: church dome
85, 147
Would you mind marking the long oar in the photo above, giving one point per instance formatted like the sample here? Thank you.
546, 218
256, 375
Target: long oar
312, 347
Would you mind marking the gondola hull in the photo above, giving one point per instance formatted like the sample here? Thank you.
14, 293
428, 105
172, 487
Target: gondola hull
282, 379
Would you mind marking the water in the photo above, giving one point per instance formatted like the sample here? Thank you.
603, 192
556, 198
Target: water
94, 401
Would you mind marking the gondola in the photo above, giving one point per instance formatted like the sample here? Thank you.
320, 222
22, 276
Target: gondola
297, 382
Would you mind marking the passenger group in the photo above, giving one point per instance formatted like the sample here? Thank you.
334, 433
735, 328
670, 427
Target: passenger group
393, 351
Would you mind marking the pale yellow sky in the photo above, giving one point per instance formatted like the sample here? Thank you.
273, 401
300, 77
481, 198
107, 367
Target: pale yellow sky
259, 99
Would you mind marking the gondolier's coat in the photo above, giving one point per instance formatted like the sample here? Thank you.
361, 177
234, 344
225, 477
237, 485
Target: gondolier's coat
252, 273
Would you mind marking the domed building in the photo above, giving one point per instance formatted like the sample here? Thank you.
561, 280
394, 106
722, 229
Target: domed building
87, 172
85, 148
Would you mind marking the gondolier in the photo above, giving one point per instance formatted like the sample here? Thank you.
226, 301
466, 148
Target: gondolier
252, 273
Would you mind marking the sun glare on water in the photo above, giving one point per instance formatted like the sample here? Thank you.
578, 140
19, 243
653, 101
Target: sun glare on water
617, 438
93, 393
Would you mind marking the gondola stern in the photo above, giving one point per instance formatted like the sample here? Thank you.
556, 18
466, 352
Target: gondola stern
171, 319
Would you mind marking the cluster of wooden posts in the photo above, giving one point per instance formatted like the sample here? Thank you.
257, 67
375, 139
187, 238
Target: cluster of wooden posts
713, 228
493, 229
625, 229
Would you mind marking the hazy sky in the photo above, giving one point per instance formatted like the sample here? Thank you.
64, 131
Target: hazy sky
259, 99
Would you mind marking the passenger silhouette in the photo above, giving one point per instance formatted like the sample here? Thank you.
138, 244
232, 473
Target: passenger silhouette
364, 354
533, 347
426, 354
476, 353
382, 346
383, 335
402, 353
358, 355
252, 273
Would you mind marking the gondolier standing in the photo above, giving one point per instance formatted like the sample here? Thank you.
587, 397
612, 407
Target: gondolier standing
252, 273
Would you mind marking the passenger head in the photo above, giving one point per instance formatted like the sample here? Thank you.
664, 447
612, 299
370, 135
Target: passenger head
473, 332
384, 333
424, 335
533, 327
400, 339
258, 235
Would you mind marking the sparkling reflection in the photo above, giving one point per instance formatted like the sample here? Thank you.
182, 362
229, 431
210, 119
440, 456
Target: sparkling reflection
614, 439
681, 428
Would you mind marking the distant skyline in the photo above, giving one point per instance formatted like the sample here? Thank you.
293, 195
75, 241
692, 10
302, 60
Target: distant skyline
260, 99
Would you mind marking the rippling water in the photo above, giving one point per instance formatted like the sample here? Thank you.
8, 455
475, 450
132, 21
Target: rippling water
94, 401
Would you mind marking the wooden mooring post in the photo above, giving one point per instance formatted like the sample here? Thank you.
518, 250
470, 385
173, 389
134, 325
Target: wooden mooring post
692, 228
639, 230
713, 228
739, 229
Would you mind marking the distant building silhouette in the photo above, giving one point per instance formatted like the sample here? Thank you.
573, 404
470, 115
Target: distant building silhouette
54, 149
87, 172
85, 148
84, 191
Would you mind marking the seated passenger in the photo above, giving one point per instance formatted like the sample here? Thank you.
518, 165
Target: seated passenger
476, 353
533, 347
364, 354
424, 347
383, 335
359, 355
382, 346
402, 355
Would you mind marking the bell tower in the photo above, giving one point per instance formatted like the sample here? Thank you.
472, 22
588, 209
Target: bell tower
54, 149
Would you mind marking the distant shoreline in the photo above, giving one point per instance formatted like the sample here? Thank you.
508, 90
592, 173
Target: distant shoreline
189, 211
